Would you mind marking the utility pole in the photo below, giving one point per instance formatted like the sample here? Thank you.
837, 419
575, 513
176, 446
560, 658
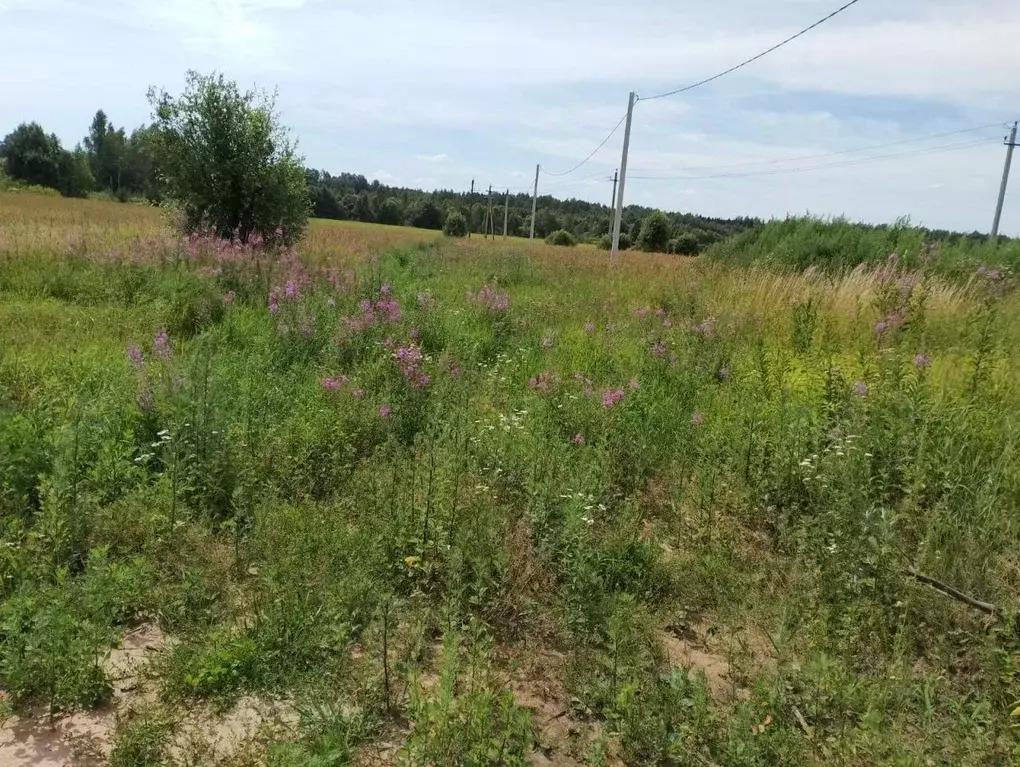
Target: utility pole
616, 177
491, 225
534, 202
1010, 144
471, 198
623, 177
506, 212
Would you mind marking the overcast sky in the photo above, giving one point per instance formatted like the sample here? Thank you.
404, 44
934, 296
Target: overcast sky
435, 94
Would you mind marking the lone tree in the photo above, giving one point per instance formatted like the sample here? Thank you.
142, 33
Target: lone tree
655, 233
456, 224
228, 163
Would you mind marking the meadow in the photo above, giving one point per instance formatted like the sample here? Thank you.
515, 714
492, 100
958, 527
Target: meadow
393, 498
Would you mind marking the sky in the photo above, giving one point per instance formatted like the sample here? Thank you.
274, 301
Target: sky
433, 95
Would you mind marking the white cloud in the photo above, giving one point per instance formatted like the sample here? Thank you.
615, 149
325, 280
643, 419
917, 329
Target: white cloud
368, 86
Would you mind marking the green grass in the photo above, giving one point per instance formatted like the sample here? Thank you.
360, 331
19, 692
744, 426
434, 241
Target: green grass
608, 457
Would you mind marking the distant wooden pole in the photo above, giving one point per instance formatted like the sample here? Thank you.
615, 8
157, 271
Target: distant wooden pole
492, 226
534, 202
506, 212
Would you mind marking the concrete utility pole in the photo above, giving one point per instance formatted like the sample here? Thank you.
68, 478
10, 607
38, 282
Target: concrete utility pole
616, 177
506, 212
491, 227
1010, 144
470, 200
534, 202
623, 177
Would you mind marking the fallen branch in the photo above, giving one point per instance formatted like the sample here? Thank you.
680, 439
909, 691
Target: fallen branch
985, 607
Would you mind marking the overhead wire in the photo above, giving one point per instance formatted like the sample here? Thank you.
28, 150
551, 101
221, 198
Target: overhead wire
753, 59
594, 152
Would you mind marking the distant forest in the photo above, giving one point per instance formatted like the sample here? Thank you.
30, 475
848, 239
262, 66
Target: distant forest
109, 162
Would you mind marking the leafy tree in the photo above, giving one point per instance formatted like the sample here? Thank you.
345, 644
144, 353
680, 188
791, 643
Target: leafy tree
655, 232
362, 210
561, 237
325, 204
228, 163
391, 211
456, 224
31, 156
685, 244
546, 222
605, 242
626, 243
75, 173
424, 214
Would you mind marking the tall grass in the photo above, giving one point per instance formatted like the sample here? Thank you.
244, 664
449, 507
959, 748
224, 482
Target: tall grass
371, 477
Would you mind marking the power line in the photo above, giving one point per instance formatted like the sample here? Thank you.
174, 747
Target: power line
753, 59
847, 164
802, 158
593, 152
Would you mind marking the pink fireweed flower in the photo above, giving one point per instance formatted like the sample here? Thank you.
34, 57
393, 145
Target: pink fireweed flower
640, 312
543, 382
358, 393
706, 328
415, 333
491, 299
697, 418
384, 411
612, 397
577, 439
860, 388
455, 371
161, 346
136, 356
659, 349
922, 361
660, 312
334, 383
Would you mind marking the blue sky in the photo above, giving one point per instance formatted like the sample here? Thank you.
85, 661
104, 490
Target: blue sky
435, 94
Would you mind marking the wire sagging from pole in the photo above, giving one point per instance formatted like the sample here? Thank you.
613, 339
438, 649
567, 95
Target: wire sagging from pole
593, 152
753, 59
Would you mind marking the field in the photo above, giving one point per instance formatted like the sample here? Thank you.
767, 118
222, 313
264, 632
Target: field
400, 499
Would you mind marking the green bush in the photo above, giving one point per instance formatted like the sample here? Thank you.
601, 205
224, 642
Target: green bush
685, 244
655, 233
561, 237
456, 224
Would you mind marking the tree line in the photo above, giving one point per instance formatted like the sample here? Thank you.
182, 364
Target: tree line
112, 162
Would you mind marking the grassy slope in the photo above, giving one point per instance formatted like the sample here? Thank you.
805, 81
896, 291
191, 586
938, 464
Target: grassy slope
747, 507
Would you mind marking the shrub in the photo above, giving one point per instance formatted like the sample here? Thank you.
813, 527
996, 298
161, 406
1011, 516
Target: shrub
655, 231
685, 244
561, 237
228, 163
456, 225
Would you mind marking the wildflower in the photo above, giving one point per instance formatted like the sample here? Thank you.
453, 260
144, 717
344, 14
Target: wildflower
589, 327
491, 300
384, 289
358, 393
136, 356
634, 385
881, 326
455, 371
922, 361
697, 418
667, 324
640, 312
291, 290
331, 303
723, 373
334, 383
161, 345
415, 333
612, 397
577, 439
145, 401
659, 349
860, 388
274, 302
229, 297
547, 343
706, 328
384, 411
543, 382
660, 312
